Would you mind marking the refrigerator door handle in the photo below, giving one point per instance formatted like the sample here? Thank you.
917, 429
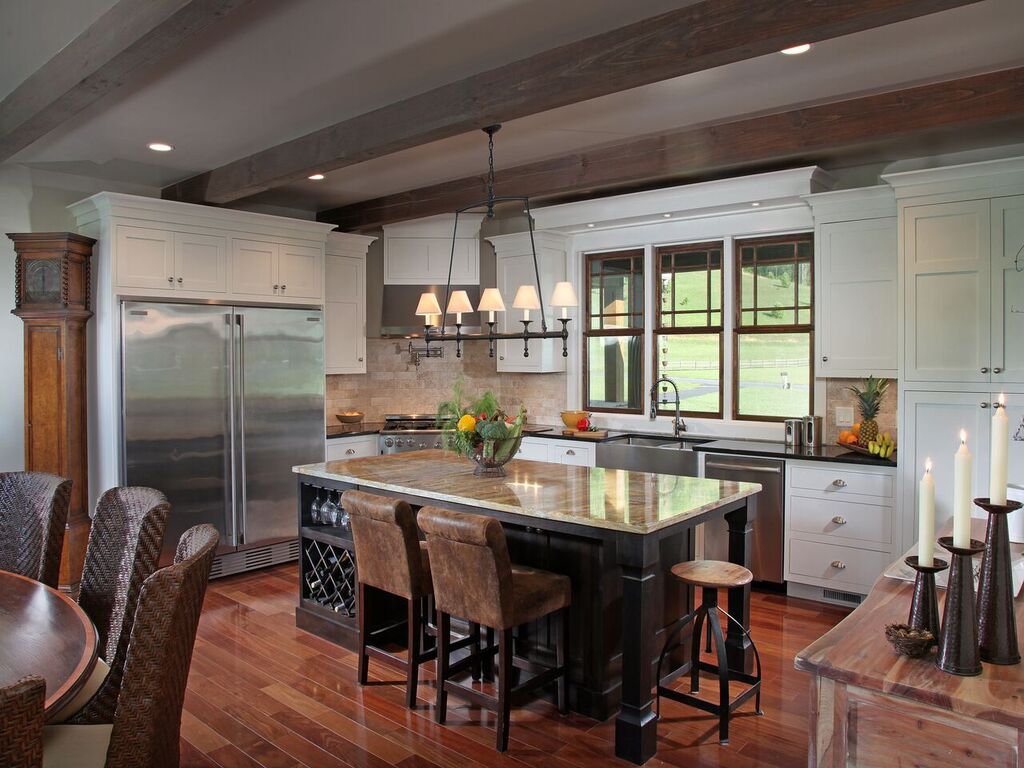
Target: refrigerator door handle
239, 414
232, 494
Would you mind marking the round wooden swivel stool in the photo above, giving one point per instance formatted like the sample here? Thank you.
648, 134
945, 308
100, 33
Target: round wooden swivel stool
710, 576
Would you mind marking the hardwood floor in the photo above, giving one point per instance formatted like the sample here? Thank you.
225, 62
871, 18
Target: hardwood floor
263, 693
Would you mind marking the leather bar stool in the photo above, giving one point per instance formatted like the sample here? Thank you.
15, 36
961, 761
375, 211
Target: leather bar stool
710, 576
474, 580
391, 558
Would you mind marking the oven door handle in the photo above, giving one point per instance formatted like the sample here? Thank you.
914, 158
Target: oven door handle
743, 468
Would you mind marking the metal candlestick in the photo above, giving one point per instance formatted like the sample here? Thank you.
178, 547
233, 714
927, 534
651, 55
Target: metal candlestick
997, 621
565, 335
526, 337
924, 607
958, 638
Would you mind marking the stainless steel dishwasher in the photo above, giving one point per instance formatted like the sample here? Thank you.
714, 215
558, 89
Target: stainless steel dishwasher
766, 561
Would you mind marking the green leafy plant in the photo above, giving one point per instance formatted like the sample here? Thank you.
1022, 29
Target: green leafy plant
478, 428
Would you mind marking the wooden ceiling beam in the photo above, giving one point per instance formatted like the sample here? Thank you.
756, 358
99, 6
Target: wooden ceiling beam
111, 52
696, 37
897, 117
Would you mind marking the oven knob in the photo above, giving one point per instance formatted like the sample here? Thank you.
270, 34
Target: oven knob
423, 445
437, 443
398, 442
388, 442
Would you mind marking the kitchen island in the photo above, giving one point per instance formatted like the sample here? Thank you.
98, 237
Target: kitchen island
615, 533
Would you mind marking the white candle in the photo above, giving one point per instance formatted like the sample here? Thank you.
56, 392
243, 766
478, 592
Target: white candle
1000, 449
565, 312
458, 318
962, 494
490, 315
926, 517
526, 314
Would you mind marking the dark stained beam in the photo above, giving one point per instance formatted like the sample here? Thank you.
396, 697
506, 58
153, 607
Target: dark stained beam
109, 53
898, 118
690, 39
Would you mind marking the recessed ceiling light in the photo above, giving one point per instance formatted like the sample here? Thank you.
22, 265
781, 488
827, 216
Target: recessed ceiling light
796, 50
666, 215
317, 177
591, 226
159, 146
755, 205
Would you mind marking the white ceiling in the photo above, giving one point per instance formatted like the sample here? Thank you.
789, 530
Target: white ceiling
274, 71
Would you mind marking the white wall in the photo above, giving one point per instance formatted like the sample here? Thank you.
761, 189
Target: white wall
30, 201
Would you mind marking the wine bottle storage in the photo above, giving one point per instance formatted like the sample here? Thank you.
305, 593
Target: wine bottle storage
329, 577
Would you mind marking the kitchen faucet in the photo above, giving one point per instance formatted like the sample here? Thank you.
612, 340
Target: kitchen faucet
678, 425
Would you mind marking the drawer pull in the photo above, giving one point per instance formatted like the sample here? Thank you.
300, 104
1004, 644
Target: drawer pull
838, 564
839, 482
983, 405
997, 370
570, 452
349, 451
984, 370
839, 520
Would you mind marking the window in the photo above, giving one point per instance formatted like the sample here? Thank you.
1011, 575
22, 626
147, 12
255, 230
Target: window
688, 326
773, 378
613, 337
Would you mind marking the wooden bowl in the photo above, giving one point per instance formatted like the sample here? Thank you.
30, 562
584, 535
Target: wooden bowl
571, 418
909, 642
350, 417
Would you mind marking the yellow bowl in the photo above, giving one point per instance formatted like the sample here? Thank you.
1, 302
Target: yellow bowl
350, 417
570, 418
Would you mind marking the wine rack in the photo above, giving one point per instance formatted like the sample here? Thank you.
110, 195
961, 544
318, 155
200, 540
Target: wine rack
329, 577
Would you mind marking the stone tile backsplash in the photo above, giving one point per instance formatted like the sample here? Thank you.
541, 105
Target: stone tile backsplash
838, 394
392, 384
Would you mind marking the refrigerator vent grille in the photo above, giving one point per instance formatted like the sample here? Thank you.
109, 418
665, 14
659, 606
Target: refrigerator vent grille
258, 557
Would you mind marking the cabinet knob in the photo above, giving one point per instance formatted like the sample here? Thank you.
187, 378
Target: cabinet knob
839, 482
997, 370
283, 287
983, 405
570, 452
360, 359
276, 286
984, 370
170, 279
838, 564
839, 520
180, 280
349, 451
501, 357
824, 358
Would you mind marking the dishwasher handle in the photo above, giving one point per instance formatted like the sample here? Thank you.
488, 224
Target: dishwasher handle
743, 468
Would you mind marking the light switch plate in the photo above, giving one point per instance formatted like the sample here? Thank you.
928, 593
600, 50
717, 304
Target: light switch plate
844, 416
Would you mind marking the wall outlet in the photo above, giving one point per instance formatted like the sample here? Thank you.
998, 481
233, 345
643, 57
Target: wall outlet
844, 416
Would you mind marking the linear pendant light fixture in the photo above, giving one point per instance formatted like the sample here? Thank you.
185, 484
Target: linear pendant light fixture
527, 298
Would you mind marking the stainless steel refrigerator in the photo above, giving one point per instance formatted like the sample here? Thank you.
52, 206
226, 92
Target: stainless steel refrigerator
219, 404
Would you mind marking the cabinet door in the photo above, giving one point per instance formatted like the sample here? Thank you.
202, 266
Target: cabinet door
545, 355
1008, 290
533, 450
144, 258
345, 315
1015, 458
300, 273
339, 448
254, 267
419, 260
858, 298
948, 290
200, 263
578, 455
931, 425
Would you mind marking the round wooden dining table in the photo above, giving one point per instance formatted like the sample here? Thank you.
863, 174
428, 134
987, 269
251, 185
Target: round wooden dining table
44, 632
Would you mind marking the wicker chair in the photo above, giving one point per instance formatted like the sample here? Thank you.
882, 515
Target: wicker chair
124, 550
21, 723
33, 513
147, 720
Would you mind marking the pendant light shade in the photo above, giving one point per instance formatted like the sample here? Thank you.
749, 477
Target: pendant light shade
491, 301
459, 303
564, 295
526, 298
428, 305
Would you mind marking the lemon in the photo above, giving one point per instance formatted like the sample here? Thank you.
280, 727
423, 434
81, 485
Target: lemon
467, 423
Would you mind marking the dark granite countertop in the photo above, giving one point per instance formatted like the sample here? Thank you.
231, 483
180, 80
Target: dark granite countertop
555, 433
354, 430
775, 450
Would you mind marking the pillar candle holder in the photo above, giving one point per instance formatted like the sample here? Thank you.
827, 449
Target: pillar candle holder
924, 607
997, 621
958, 638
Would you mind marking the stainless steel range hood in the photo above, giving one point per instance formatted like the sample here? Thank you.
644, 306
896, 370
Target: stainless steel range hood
398, 310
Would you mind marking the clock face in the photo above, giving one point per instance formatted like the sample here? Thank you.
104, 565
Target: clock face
42, 282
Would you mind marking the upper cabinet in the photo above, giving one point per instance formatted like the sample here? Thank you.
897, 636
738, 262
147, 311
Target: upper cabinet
856, 282
1008, 289
515, 267
345, 303
419, 252
157, 248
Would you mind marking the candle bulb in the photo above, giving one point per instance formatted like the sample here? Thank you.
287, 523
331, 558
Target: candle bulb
926, 517
999, 453
962, 494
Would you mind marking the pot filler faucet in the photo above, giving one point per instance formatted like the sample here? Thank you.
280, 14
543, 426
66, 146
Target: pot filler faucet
678, 425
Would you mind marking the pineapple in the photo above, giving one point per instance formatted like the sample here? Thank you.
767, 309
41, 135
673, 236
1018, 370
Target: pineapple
869, 401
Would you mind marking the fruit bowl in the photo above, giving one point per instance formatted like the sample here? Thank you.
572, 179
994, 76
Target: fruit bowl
350, 417
491, 456
867, 452
572, 418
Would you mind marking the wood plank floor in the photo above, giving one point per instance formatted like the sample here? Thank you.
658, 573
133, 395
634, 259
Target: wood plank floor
263, 693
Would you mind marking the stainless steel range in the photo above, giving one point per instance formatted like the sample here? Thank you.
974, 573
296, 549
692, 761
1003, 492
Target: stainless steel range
409, 432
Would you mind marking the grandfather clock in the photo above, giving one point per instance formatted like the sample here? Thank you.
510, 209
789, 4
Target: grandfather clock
51, 282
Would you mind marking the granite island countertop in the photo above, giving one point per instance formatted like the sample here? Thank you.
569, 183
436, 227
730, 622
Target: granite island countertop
615, 499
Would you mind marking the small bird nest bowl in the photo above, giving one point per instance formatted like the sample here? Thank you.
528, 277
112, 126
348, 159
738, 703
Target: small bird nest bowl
908, 641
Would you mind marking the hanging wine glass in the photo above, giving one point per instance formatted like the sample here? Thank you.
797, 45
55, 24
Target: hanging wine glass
345, 517
314, 508
329, 510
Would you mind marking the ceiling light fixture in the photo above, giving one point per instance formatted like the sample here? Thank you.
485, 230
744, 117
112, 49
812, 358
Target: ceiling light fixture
590, 226
755, 205
666, 215
317, 177
528, 296
160, 146
796, 50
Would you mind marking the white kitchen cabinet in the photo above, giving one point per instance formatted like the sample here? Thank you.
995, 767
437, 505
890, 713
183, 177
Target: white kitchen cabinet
345, 303
1008, 290
300, 271
254, 267
948, 288
418, 252
145, 258
356, 447
200, 262
533, 449
514, 265
575, 453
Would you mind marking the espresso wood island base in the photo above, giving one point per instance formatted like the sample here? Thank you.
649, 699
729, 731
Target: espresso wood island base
615, 533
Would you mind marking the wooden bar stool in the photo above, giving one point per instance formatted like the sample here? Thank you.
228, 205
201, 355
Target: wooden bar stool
390, 557
475, 580
710, 576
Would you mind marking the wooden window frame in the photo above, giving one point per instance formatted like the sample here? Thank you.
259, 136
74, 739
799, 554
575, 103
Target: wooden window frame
588, 332
659, 330
740, 330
